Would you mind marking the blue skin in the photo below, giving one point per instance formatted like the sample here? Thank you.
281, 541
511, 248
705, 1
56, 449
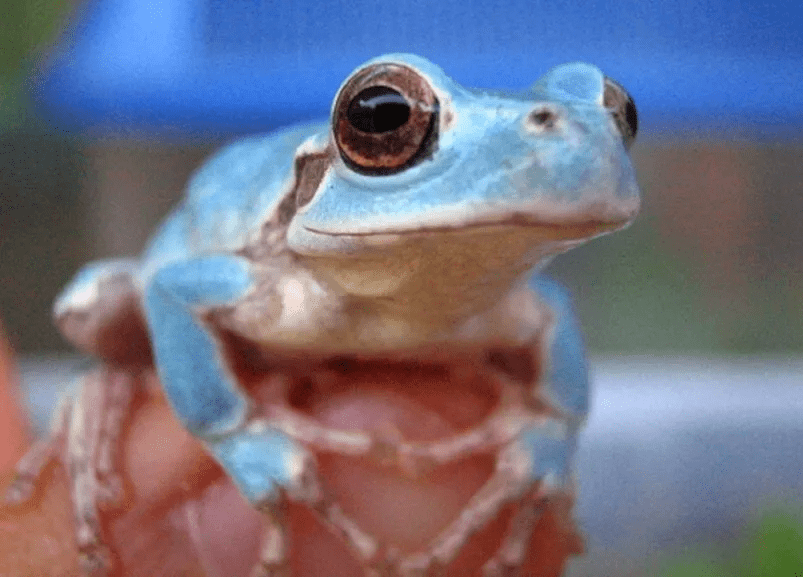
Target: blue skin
202, 393
209, 404
191, 266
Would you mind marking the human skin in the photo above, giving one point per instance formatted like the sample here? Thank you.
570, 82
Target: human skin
182, 516
13, 437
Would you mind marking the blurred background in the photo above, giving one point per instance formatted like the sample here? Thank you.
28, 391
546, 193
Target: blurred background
694, 314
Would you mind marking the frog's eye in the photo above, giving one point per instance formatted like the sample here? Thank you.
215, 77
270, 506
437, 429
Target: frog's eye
385, 119
621, 106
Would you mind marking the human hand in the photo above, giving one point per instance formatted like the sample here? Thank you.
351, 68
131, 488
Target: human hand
182, 515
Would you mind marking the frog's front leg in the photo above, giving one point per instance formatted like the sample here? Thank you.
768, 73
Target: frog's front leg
266, 465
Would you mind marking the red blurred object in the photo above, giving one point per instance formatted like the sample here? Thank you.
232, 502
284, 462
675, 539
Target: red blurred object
13, 436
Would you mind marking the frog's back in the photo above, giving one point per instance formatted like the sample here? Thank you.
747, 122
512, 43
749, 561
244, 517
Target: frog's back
230, 197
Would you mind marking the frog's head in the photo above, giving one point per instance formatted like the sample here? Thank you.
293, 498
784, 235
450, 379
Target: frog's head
421, 178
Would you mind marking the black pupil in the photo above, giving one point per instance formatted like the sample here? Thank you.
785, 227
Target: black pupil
631, 116
378, 109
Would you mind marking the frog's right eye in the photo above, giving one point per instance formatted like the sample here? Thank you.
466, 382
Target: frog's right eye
385, 119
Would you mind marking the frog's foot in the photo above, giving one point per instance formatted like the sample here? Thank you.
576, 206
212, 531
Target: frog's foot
529, 441
85, 435
94, 557
310, 491
506, 485
307, 490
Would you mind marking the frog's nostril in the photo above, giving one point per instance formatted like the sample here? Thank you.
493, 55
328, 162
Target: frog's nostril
542, 119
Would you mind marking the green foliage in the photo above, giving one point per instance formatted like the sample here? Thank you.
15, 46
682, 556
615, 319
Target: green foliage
773, 547
774, 550
695, 567
26, 27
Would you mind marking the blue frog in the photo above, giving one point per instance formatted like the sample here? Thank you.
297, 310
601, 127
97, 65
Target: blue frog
409, 228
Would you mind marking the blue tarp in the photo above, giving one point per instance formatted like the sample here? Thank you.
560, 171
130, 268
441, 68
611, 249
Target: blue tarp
231, 66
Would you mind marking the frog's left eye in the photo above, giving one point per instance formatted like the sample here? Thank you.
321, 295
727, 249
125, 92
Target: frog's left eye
623, 108
385, 119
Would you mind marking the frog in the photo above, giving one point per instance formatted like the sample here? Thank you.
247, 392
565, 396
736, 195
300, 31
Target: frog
412, 227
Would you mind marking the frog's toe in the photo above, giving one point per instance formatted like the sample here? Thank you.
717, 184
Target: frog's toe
263, 461
96, 560
273, 561
264, 570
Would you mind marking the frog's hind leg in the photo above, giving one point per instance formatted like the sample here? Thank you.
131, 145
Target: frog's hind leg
92, 456
30, 467
85, 435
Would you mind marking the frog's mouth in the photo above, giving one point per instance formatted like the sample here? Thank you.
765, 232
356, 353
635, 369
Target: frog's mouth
542, 220
556, 230
587, 216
